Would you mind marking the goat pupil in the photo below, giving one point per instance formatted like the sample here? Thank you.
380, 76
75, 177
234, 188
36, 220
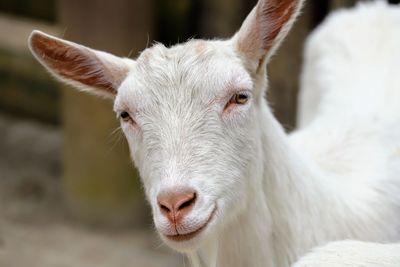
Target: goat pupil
241, 98
124, 115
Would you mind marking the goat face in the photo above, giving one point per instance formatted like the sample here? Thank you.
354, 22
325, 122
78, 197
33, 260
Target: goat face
188, 114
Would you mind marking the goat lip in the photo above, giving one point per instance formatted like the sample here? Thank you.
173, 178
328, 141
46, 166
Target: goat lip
191, 235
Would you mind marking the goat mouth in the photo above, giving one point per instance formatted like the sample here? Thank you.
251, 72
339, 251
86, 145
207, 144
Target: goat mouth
191, 235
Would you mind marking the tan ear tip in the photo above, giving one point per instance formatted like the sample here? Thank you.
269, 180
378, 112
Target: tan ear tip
35, 35
37, 39
34, 39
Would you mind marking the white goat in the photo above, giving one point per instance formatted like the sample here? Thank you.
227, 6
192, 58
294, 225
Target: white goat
355, 54
226, 184
352, 254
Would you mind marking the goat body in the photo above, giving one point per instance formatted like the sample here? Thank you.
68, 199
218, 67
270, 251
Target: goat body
351, 254
226, 184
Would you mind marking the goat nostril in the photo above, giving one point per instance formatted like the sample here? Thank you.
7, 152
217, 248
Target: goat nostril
188, 202
164, 208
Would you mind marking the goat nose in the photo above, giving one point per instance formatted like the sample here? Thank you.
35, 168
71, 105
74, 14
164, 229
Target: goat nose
177, 205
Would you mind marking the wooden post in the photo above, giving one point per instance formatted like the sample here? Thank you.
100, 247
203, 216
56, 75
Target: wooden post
284, 70
221, 18
101, 185
341, 3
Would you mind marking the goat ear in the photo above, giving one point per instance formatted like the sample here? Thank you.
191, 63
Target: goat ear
265, 28
84, 68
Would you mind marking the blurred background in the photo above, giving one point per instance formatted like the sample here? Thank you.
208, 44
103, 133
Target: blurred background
69, 195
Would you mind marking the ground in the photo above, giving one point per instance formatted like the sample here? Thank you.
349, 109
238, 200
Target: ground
35, 229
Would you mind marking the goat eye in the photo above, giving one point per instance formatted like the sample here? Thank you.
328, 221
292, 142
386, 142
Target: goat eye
125, 116
239, 99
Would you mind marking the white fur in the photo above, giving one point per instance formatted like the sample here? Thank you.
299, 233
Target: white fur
271, 197
353, 254
351, 90
363, 42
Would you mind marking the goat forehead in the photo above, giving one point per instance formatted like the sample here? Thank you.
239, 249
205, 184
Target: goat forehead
195, 65
194, 49
185, 76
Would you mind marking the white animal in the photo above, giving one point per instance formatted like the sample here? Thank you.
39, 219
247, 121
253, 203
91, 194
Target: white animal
226, 184
352, 254
351, 69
